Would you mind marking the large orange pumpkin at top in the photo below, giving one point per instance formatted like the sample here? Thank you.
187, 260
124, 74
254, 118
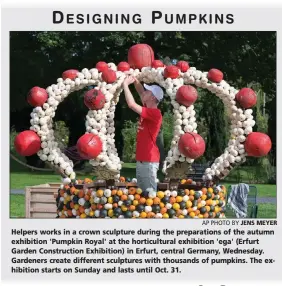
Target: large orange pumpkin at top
191, 145
140, 55
89, 146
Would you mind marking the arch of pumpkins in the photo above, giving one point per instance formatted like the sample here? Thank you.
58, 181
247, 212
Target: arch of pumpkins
77, 198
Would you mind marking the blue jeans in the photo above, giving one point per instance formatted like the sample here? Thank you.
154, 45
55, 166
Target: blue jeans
146, 174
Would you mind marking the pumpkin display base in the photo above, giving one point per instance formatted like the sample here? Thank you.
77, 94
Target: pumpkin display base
110, 199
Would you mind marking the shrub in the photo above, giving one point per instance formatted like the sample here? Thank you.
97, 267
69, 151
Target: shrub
61, 133
129, 141
167, 128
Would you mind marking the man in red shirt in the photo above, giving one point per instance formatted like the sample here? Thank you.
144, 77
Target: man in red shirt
147, 151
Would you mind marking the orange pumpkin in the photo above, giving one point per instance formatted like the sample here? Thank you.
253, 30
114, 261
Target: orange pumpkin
150, 215
123, 197
206, 215
122, 179
81, 194
132, 208
137, 197
132, 191
156, 201
100, 193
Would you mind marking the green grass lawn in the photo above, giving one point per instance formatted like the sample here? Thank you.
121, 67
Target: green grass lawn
17, 206
267, 211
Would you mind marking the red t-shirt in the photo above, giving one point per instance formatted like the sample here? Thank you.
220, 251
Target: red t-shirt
148, 128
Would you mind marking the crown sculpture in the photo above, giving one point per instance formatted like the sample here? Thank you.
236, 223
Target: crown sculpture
97, 145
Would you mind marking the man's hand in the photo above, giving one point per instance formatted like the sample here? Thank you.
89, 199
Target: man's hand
129, 97
129, 80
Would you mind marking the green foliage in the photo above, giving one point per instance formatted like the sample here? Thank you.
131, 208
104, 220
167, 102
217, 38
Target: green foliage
61, 133
213, 126
129, 138
13, 135
167, 128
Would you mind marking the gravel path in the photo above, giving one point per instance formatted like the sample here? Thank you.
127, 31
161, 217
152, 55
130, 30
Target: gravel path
260, 200
266, 200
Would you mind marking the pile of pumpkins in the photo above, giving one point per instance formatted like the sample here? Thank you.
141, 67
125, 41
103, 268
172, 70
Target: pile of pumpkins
116, 202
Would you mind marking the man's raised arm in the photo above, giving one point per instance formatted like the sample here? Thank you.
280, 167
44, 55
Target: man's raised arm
139, 87
129, 97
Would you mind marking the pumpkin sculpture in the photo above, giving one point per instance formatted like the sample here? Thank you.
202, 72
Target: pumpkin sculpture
98, 144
